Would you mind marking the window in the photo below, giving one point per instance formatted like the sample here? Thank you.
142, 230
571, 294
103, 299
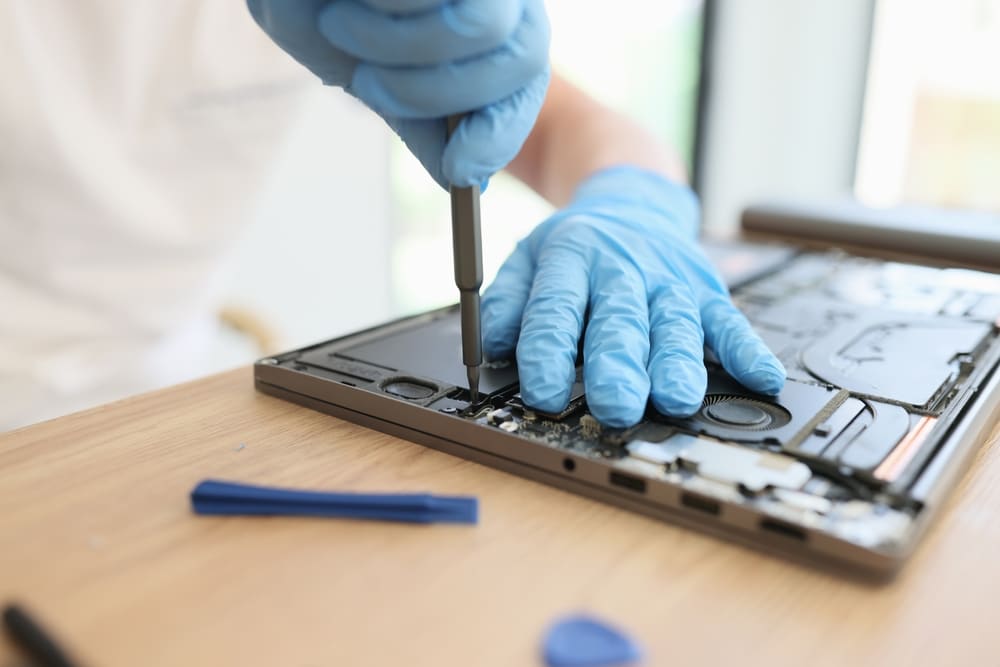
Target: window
931, 129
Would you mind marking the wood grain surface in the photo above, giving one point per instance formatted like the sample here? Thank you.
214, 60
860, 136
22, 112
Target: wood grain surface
97, 537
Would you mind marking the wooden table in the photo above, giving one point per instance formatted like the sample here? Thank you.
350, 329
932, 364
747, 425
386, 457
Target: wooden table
97, 537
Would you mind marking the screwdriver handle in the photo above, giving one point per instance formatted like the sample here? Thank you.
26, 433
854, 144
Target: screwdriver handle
466, 228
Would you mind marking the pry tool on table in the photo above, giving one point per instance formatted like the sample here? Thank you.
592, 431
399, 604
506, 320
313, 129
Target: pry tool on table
233, 498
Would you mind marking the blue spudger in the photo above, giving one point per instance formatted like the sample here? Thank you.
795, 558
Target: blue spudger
232, 498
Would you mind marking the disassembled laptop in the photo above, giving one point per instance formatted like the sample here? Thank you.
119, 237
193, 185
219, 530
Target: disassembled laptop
884, 360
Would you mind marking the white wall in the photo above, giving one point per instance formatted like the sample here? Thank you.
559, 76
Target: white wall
316, 262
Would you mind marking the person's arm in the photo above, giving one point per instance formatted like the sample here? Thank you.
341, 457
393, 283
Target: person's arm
576, 136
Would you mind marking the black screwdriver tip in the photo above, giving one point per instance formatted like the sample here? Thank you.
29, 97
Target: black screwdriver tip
473, 374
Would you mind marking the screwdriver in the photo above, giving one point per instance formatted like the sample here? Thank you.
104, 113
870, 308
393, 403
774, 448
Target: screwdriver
466, 238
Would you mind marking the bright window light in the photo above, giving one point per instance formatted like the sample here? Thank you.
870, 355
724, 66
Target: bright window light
931, 129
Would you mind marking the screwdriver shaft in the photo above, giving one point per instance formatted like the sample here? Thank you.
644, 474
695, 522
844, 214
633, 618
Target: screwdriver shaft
468, 258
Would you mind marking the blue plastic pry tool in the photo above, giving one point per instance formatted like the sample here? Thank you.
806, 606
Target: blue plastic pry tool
583, 641
232, 498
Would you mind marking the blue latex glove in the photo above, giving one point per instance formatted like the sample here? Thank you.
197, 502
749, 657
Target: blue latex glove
415, 62
625, 247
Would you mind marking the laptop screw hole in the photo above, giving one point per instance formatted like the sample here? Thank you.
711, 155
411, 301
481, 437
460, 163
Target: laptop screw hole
569, 465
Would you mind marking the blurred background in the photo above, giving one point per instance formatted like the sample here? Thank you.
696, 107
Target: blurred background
891, 101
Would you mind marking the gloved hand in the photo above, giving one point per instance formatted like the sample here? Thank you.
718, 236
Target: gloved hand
415, 62
625, 248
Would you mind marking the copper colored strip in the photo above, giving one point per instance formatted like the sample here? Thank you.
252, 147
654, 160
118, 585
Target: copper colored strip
903, 453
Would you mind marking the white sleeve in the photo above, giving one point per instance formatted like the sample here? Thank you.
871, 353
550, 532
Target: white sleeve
136, 134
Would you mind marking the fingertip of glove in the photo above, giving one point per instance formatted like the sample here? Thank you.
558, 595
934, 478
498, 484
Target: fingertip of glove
617, 418
463, 173
680, 403
679, 409
546, 398
766, 379
616, 406
683, 396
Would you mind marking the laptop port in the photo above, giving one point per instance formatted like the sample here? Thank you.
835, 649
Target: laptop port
627, 481
783, 529
700, 503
